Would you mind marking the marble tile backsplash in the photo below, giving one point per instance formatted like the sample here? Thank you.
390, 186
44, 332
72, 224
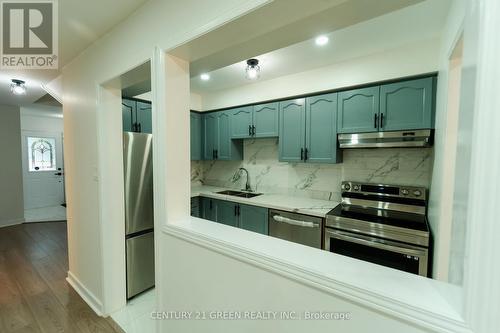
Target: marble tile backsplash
402, 166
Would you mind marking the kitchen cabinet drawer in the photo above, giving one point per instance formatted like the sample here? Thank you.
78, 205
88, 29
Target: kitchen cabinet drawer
407, 105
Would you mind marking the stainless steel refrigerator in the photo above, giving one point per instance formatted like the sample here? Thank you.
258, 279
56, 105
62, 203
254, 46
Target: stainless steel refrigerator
139, 232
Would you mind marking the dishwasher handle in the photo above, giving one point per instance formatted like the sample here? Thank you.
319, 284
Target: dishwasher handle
286, 220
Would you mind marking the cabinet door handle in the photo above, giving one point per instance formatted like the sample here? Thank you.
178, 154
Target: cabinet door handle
381, 120
213, 154
305, 154
239, 210
301, 154
249, 130
253, 129
375, 121
216, 154
139, 125
235, 210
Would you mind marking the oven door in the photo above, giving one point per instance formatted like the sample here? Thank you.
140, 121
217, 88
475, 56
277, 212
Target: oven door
408, 258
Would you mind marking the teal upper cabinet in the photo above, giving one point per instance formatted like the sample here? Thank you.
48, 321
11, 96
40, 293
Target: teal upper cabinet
253, 218
137, 116
241, 122
265, 120
308, 130
223, 150
128, 114
258, 121
292, 118
358, 110
210, 135
407, 105
321, 129
196, 136
144, 117
217, 138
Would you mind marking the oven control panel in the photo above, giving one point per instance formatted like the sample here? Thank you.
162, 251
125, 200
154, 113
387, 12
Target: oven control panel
412, 192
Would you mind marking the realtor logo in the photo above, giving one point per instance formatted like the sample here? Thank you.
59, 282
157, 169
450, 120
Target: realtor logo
29, 34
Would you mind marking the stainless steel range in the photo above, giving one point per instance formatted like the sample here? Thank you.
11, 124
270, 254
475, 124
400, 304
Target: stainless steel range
382, 224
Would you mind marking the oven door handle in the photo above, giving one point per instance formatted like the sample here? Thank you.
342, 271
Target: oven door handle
286, 220
376, 243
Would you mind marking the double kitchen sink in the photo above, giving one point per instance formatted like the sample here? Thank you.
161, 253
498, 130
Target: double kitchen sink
240, 194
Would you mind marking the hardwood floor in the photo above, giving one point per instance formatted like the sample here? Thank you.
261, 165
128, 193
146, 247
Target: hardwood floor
34, 294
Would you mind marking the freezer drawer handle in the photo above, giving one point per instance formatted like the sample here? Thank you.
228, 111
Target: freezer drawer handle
286, 220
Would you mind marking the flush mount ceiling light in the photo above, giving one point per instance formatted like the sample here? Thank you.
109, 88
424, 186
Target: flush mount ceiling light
253, 69
18, 87
205, 77
321, 40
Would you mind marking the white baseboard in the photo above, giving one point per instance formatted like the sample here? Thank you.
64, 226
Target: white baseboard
8, 223
86, 294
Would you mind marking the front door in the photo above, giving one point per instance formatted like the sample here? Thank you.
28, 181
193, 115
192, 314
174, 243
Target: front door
43, 174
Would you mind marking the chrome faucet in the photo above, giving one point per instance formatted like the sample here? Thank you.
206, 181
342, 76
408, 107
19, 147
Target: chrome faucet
247, 184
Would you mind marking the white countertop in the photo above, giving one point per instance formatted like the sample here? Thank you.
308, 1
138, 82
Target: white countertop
301, 205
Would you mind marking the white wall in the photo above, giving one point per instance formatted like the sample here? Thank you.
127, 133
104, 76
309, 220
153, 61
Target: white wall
195, 99
442, 191
417, 58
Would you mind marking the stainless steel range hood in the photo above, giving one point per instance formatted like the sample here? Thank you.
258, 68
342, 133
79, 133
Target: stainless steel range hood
417, 138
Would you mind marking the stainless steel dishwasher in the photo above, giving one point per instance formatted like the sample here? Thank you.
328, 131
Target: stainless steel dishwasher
298, 228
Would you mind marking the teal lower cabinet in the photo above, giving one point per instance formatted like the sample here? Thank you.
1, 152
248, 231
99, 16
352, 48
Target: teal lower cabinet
230, 213
208, 209
254, 218
195, 207
227, 212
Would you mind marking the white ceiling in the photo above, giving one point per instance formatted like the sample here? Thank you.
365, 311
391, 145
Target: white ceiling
81, 22
418, 22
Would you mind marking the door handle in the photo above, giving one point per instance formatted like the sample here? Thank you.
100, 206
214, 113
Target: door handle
253, 129
216, 154
249, 130
375, 121
286, 220
58, 174
381, 120
301, 154
306, 151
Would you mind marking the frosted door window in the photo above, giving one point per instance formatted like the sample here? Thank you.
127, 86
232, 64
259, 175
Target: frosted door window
41, 154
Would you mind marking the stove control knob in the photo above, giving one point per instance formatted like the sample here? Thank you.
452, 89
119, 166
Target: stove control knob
356, 187
417, 193
405, 191
347, 187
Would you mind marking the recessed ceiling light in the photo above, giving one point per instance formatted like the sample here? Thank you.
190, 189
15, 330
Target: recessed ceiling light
205, 77
321, 40
18, 87
253, 69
